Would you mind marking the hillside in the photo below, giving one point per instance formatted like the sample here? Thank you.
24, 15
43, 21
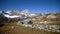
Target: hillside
13, 28
52, 18
29, 23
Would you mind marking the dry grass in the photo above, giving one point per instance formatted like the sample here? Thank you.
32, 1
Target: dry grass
13, 28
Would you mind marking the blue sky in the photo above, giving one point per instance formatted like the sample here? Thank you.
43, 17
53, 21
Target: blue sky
43, 6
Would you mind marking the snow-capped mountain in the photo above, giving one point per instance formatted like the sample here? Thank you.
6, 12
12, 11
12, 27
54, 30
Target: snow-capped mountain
8, 12
15, 13
22, 14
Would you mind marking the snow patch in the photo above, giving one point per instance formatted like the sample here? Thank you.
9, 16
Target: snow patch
8, 16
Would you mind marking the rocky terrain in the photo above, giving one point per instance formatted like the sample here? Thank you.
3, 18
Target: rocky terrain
13, 28
53, 18
22, 22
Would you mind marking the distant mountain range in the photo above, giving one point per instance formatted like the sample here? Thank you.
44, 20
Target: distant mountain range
17, 15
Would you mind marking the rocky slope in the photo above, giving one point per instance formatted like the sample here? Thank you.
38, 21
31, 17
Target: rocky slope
52, 18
